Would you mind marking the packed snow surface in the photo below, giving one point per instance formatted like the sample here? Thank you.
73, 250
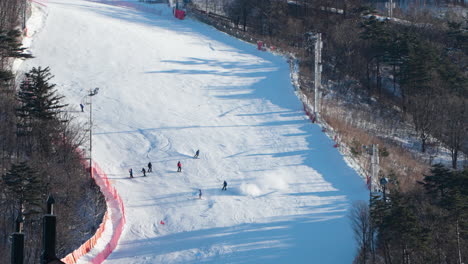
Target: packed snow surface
168, 87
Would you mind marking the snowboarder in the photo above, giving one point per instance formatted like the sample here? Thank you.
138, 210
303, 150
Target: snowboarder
150, 167
196, 154
224, 186
131, 172
82, 107
179, 166
199, 193
144, 171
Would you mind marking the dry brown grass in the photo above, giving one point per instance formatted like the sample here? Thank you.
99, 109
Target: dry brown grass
400, 164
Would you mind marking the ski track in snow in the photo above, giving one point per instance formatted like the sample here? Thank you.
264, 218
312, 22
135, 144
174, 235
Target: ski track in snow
169, 87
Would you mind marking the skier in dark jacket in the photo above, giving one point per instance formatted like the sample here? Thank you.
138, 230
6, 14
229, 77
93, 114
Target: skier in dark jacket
224, 186
179, 166
199, 193
150, 167
144, 171
196, 154
130, 171
82, 107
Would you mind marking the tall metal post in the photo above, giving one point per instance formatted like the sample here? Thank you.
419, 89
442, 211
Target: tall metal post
375, 168
24, 13
390, 5
91, 94
318, 72
90, 135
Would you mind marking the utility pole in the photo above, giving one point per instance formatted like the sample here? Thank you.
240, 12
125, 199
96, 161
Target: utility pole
390, 5
91, 94
25, 7
317, 72
375, 168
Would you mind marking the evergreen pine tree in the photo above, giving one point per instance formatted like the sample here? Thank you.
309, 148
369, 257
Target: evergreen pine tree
38, 112
37, 96
10, 47
26, 186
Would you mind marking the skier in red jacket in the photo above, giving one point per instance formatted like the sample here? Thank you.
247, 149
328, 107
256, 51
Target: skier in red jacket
179, 166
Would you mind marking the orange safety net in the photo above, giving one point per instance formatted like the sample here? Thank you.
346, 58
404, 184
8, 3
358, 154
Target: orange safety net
111, 194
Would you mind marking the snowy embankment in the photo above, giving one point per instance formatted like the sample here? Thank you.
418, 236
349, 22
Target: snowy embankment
170, 87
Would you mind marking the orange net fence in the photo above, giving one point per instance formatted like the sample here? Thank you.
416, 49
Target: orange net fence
114, 204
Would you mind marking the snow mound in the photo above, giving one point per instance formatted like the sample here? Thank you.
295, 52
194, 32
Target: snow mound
270, 182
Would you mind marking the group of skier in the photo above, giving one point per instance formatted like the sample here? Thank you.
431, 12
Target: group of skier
179, 169
143, 170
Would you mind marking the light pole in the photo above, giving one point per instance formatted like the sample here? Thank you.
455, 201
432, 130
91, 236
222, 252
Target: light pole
91, 94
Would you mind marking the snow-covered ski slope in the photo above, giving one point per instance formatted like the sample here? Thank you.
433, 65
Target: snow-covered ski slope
169, 87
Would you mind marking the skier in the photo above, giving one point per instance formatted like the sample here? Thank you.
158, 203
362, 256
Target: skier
82, 107
179, 166
150, 167
131, 172
144, 171
224, 186
199, 193
196, 154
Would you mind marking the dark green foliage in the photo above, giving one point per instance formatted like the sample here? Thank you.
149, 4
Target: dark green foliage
418, 67
455, 78
38, 121
26, 186
426, 225
459, 36
6, 75
38, 97
10, 45
383, 152
448, 189
438, 182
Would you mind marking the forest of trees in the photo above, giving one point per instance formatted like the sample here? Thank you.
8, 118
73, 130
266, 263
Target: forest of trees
420, 67
429, 224
38, 152
415, 68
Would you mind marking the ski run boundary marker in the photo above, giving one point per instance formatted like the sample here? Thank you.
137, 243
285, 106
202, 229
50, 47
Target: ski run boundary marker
114, 216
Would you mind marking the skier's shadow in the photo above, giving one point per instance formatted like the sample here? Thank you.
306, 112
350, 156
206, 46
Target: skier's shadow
125, 176
187, 156
120, 178
233, 191
172, 171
